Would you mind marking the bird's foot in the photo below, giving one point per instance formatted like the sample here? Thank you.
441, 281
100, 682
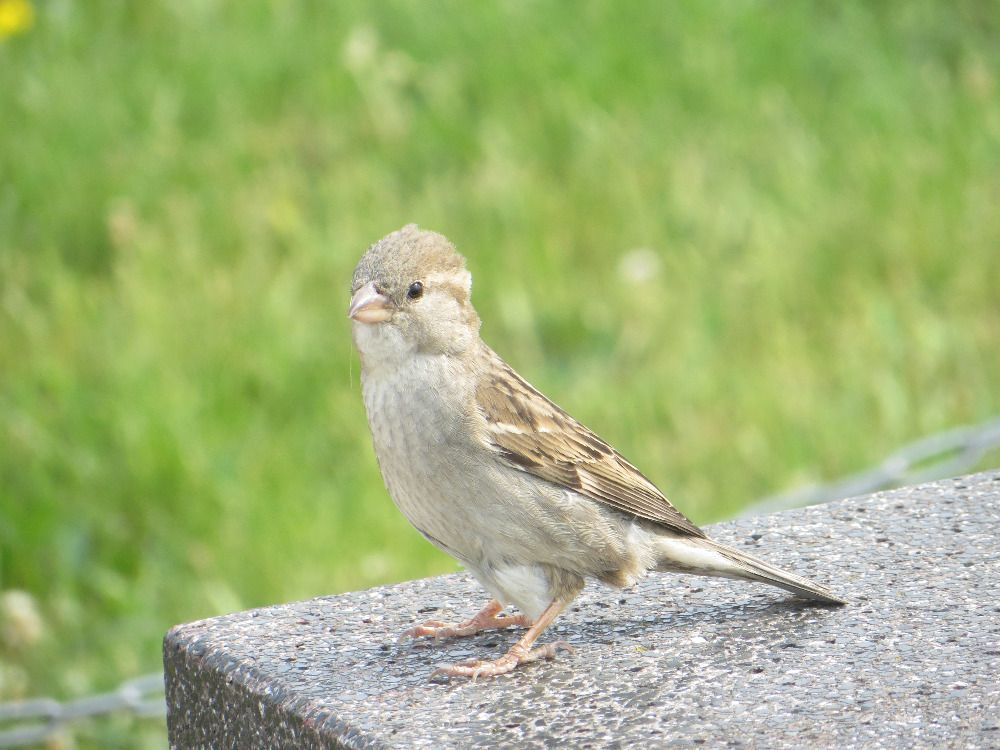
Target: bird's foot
475, 668
488, 619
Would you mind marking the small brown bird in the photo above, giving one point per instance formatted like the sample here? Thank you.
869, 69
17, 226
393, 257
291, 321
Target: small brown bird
496, 475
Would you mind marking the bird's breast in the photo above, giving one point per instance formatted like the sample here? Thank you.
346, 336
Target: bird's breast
417, 419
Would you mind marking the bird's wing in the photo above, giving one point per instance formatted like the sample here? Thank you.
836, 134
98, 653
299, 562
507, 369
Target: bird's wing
534, 435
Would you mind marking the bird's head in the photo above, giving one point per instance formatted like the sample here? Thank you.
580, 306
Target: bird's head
411, 293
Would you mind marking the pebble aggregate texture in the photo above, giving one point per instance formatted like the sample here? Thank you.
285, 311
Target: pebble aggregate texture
913, 661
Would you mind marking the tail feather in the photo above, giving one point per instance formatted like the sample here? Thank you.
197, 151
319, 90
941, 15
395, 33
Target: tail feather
707, 557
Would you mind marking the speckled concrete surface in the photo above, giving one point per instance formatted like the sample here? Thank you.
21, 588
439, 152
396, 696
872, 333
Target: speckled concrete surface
914, 661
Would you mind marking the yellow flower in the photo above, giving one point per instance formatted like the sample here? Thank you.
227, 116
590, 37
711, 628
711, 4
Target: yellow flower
16, 17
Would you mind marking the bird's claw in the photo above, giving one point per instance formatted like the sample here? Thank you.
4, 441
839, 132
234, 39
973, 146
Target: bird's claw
488, 619
476, 668
429, 629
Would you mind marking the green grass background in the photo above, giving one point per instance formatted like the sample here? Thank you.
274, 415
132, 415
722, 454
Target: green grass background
185, 187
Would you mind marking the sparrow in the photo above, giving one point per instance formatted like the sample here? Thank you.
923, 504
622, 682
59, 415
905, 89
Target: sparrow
493, 473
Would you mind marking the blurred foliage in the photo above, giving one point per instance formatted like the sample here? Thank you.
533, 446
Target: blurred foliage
752, 244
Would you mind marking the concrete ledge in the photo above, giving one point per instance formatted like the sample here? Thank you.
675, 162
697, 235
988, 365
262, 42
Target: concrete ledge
912, 662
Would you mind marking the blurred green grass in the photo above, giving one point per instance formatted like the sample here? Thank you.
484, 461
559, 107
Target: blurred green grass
751, 244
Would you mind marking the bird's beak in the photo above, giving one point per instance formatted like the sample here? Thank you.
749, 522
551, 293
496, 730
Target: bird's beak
368, 306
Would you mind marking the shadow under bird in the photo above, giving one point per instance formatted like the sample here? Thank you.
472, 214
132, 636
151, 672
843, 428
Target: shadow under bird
492, 472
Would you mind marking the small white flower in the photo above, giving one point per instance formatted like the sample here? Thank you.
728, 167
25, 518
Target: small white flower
360, 49
21, 625
639, 265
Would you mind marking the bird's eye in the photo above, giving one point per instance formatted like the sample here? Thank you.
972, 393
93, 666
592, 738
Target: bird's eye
416, 290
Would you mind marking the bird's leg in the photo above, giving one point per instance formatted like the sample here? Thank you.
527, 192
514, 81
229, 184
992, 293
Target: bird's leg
520, 653
489, 618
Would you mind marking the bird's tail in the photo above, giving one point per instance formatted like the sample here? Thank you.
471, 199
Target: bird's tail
709, 558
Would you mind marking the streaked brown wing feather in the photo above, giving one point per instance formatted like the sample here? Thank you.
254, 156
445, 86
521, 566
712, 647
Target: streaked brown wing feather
534, 435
